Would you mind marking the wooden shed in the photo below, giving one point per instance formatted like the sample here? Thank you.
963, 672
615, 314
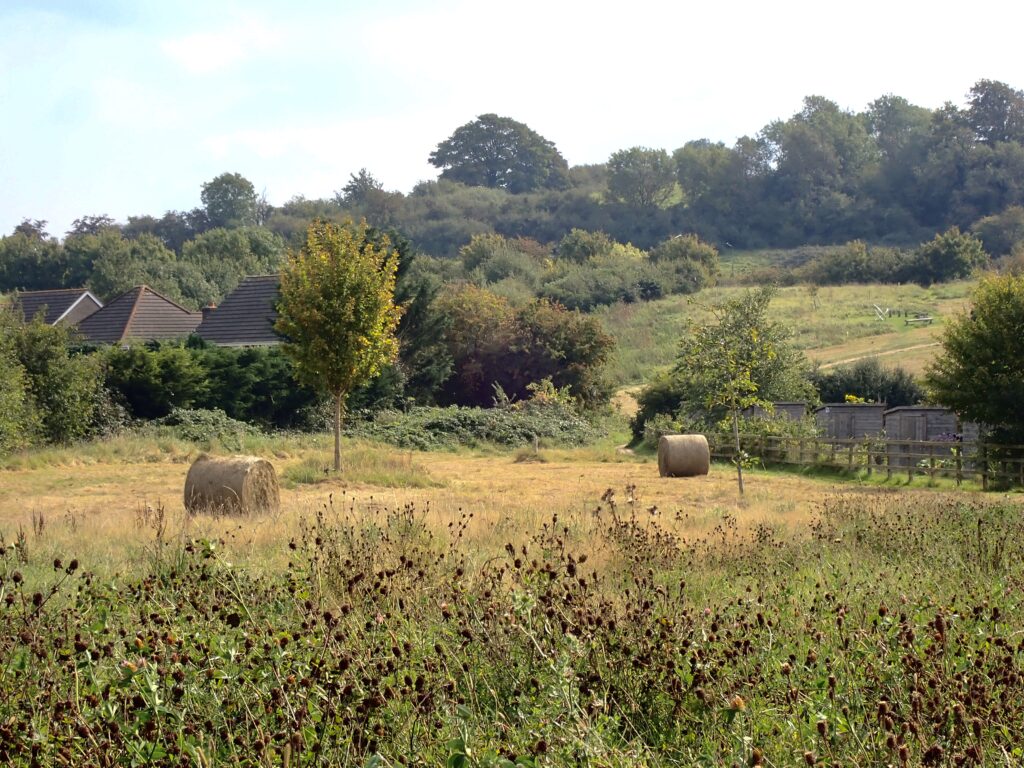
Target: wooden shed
921, 422
910, 424
782, 410
850, 421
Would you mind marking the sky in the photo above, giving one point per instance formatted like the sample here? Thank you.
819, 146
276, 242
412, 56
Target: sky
126, 107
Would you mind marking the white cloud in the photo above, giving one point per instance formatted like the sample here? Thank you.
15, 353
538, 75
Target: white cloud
206, 52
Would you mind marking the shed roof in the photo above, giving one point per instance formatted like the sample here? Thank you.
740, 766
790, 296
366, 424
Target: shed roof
937, 408
140, 314
850, 405
58, 302
247, 315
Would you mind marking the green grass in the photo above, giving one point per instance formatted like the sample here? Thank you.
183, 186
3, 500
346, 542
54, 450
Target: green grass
647, 334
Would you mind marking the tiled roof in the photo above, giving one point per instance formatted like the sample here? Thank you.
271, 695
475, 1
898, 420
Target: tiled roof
57, 302
247, 315
140, 314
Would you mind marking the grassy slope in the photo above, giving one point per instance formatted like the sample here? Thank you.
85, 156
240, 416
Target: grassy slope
837, 324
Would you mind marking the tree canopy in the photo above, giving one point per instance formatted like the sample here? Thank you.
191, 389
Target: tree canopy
980, 371
337, 311
499, 152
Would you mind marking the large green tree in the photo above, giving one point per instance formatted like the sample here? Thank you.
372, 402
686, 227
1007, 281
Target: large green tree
996, 112
337, 311
980, 371
230, 201
641, 177
500, 152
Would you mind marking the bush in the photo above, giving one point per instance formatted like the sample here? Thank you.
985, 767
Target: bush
154, 380
869, 380
452, 427
203, 426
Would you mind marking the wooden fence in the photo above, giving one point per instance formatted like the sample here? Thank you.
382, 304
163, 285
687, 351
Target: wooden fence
1001, 465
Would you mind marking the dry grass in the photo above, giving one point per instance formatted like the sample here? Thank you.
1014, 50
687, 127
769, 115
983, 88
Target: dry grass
110, 511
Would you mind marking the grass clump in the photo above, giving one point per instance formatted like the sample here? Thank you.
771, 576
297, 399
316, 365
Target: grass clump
363, 464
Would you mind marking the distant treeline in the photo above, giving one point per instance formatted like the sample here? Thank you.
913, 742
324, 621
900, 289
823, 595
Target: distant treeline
892, 175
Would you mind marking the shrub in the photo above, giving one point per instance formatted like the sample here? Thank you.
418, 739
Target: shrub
197, 425
432, 428
870, 380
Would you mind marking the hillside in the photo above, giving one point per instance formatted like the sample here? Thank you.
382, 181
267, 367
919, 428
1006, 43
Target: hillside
833, 324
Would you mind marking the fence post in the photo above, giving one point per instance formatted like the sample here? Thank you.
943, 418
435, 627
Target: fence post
983, 464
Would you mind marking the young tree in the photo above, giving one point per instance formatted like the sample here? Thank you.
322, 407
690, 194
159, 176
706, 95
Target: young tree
980, 371
337, 311
739, 359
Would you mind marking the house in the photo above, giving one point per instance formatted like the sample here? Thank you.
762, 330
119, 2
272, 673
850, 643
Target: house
247, 315
850, 421
140, 314
68, 306
793, 411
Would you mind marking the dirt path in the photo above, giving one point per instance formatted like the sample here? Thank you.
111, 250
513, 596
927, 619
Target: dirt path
879, 354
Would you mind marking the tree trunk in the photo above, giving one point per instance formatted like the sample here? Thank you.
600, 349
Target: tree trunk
739, 458
338, 398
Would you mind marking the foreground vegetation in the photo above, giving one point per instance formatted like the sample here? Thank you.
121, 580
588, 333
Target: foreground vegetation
503, 614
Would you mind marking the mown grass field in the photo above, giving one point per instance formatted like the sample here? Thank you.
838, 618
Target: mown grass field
831, 324
502, 608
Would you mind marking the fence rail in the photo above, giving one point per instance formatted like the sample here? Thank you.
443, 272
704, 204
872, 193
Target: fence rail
1001, 465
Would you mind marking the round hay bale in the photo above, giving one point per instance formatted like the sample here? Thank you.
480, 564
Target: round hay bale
683, 455
232, 485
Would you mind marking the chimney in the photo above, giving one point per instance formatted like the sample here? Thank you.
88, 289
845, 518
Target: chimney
207, 310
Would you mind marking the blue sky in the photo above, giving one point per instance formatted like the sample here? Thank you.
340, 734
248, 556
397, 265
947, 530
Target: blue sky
128, 107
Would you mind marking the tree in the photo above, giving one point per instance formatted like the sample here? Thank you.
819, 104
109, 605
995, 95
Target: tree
229, 201
91, 225
337, 311
500, 152
358, 188
980, 371
739, 359
641, 177
996, 112
1001, 232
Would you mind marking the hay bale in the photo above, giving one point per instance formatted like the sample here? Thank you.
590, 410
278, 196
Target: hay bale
683, 455
232, 485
